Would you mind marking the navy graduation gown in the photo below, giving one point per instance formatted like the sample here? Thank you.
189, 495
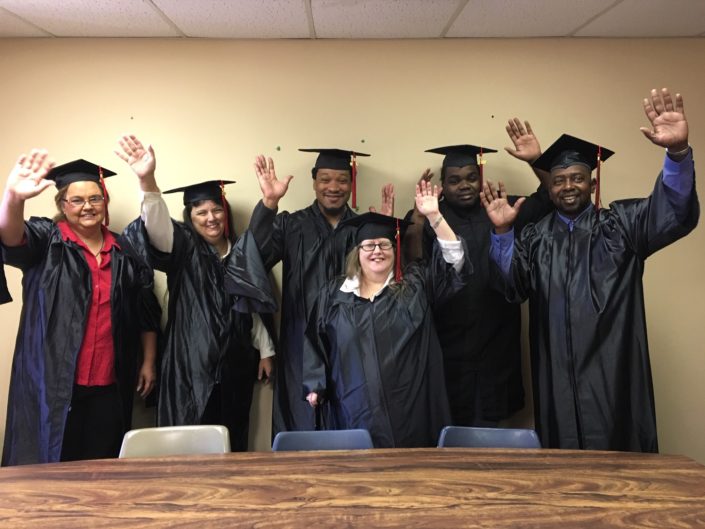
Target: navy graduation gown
379, 363
590, 359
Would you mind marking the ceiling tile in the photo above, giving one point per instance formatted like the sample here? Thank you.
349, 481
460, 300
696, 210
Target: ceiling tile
92, 18
13, 26
649, 18
383, 19
265, 19
524, 18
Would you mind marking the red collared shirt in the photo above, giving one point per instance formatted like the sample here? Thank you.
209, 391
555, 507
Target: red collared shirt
96, 358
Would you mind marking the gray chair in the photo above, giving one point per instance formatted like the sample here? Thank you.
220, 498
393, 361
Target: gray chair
176, 440
471, 437
322, 440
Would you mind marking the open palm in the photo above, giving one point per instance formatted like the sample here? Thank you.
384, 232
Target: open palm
28, 177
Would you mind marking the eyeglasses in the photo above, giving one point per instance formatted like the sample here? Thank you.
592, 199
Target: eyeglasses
77, 202
370, 246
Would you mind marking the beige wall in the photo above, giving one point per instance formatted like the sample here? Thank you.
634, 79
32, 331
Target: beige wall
210, 106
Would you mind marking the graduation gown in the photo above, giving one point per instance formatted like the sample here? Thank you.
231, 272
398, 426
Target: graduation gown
378, 364
207, 337
56, 294
479, 330
4, 292
590, 359
312, 253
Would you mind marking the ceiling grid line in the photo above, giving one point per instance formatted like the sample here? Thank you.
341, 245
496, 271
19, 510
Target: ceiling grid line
595, 17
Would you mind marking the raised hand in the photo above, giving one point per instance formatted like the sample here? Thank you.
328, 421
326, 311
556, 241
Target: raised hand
498, 209
427, 198
140, 159
526, 146
272, 188
669, 128
387, 207
28, 178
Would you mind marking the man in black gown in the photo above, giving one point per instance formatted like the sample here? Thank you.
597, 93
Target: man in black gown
581, 268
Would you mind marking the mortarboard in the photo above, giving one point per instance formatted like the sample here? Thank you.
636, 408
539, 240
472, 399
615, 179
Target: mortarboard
569, 150
82, 171
341, 160
462, 155
210, 190
375, 226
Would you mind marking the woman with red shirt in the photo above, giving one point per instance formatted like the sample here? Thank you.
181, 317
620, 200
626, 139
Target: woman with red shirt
88, 311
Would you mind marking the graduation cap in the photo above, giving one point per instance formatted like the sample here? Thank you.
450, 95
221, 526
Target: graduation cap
462, 155
341, 160
569, 150
209, 190
82, 171
377, 226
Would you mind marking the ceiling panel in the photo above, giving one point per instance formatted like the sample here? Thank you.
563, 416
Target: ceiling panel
92, 18
383, 19
260, 19
650, 18
13, 26
524, 18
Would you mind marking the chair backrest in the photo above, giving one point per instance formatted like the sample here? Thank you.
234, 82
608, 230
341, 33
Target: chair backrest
176, 440
471, 437
322, 440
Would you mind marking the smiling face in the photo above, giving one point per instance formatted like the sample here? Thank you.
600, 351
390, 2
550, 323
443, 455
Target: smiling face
83, 205
333, 188
570, 189
208, 219
461, 186
376, 263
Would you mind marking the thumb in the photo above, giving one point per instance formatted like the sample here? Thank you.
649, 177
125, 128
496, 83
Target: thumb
511, 151
289, 178
151, 150
648, 133
518, 203
372, 209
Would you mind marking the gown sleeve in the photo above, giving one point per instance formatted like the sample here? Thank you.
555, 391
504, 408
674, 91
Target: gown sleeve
268, 230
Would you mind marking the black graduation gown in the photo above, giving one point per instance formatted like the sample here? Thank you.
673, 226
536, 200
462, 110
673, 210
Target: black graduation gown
4, 292
379, 363
312, 253
56, 294
479, 330
590, 359
207, 337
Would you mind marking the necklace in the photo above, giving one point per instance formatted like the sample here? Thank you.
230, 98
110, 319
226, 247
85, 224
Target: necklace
102, 242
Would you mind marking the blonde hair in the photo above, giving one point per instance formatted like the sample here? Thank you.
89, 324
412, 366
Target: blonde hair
354, 268
58, 198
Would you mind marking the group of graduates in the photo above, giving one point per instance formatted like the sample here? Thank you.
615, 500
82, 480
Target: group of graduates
397, 326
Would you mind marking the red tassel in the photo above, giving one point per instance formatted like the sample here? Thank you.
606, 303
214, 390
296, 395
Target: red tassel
106, 197
397, 261
597, 180
353, 174
226, 224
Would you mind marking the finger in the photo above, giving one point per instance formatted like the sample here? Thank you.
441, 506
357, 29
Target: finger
372, 209
511, 151
656, 102
121, 155
667, 100
529, 130
288, 179
679, 104
502, 191
651, 114
520, 127
270, 165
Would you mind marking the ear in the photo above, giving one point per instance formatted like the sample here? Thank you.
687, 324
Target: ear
593, 183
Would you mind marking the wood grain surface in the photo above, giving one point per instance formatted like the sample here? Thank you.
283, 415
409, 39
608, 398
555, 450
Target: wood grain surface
412, 488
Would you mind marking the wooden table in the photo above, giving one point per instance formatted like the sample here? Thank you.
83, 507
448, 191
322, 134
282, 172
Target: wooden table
419, 488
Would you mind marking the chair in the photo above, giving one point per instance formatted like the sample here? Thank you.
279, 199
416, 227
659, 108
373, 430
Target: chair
470, 437
175, 440
322, 440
